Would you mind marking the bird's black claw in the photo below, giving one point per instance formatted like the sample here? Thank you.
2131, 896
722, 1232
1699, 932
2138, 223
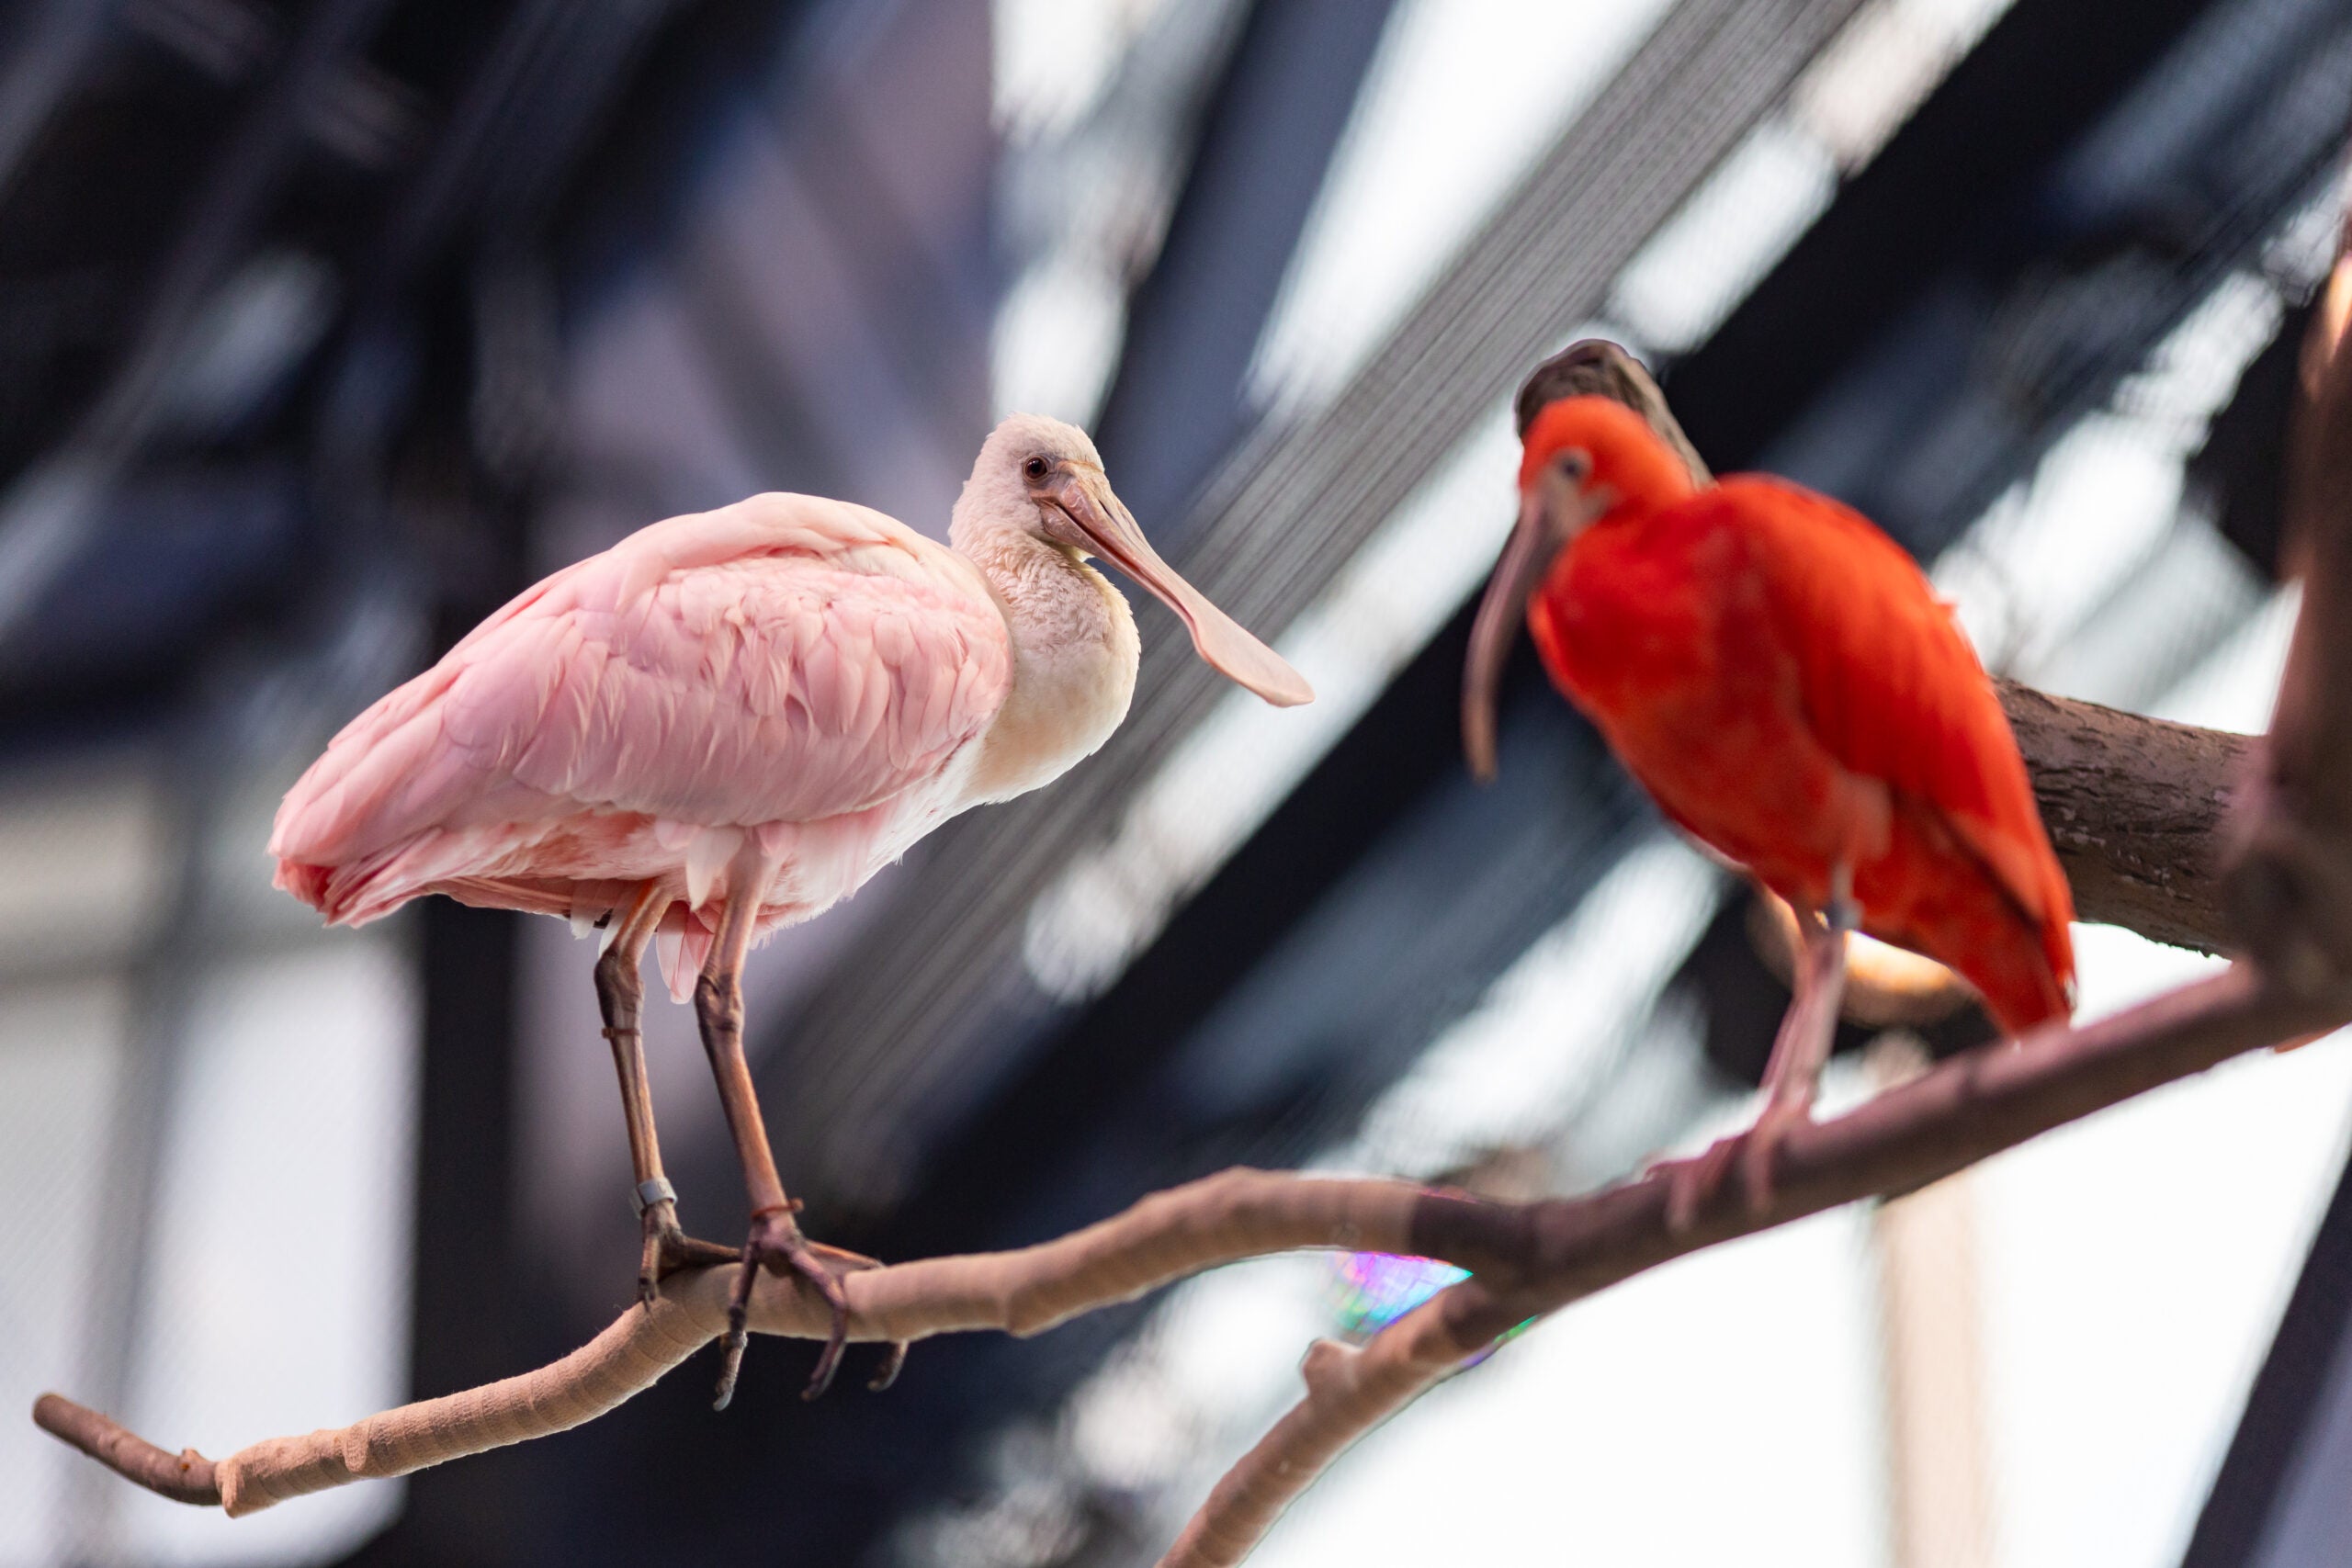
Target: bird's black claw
894, 1362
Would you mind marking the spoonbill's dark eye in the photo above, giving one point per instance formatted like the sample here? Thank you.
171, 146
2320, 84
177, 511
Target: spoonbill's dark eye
1035, 468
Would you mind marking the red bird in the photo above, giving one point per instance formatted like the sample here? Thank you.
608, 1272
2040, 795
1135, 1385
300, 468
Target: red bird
1781, 677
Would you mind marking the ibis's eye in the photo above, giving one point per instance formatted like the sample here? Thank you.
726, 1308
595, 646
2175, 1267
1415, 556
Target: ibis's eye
1036, 468
1575, 464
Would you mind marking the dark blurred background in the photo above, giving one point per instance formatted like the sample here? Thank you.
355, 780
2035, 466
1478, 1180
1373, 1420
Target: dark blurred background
325, 325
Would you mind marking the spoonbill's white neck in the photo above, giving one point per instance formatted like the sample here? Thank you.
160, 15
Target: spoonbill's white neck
1074, 653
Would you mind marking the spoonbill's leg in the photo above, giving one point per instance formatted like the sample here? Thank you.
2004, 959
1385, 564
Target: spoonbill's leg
620, 995
1792, 1072
775, 1240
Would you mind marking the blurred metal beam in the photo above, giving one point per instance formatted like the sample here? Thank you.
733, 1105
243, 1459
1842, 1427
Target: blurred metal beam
467, 1275
2242, 467
164, 984
2083, 180
48, 511
512, 142
2278, 1499
1177, 406
47, 52
2041, 77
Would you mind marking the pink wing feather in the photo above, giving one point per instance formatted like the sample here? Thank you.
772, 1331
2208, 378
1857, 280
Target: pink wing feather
784, 659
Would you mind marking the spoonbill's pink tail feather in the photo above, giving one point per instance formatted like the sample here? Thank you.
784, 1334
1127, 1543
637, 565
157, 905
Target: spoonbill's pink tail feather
682, 946
308, 882
346, 896
373, 885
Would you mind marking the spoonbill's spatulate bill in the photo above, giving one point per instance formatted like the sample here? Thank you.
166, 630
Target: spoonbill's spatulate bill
726, 723
1782, 679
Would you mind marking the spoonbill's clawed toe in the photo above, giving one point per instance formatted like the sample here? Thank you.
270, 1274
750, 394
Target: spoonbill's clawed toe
775, 1243
669, 1248
894, 1362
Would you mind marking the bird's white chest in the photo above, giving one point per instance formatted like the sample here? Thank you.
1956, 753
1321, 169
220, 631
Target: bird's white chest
1075, 651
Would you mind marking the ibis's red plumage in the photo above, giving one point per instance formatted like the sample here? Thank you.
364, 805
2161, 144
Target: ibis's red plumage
1782, 678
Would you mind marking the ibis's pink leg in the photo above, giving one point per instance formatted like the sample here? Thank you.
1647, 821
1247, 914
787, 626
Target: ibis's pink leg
775, 1240
620, 994
1791, 1074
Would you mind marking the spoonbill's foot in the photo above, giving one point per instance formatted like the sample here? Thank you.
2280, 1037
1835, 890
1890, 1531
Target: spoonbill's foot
669, 1248
1692, 1183
775, 1242
894, 1362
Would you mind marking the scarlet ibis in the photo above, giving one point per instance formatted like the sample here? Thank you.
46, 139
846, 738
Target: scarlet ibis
726, 723
1782, 678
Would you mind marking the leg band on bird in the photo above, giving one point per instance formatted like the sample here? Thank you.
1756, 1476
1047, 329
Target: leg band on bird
620, 995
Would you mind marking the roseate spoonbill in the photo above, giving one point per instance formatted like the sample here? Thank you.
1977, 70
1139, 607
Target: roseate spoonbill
726, 723
1782, 679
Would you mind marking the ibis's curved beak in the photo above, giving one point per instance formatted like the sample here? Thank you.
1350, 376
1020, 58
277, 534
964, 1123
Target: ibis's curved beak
1550, 512
1084, 497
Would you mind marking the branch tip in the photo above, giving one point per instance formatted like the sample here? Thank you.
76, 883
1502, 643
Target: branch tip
184, 1477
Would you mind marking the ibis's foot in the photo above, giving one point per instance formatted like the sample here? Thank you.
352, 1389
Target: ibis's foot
669, 1248
1760, 1145
1692, 1183
776, 1242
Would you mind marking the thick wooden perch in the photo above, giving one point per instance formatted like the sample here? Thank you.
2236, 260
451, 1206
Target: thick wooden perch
2135, 809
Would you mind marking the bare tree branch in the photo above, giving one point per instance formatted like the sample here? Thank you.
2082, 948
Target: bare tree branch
2291, 890
1167, 1237
184, 1477
1349, 1393
1541, 1257
1527, 1258
2135, 807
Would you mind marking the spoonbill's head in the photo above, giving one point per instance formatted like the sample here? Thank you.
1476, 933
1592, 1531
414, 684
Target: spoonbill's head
1045, 479
1584, 459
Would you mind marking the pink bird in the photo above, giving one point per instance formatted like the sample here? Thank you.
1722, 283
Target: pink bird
726, 723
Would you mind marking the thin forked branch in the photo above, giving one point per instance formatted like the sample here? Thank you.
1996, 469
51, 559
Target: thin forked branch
1167, 1237
1526, 1258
